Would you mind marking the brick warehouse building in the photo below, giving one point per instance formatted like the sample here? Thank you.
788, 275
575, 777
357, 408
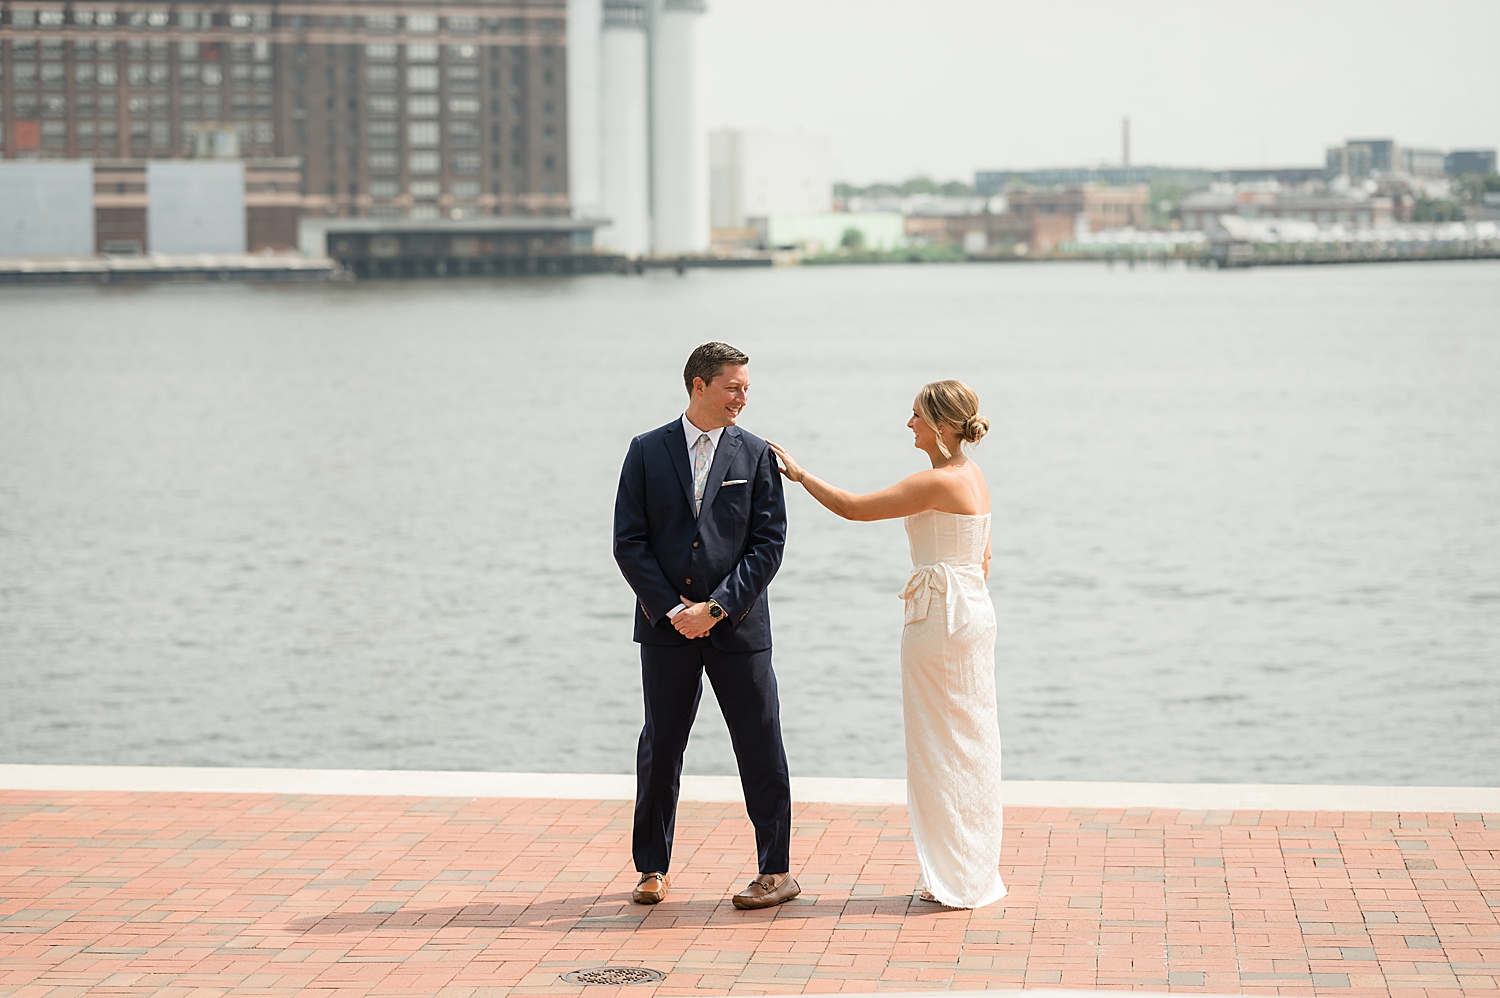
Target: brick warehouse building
420, 108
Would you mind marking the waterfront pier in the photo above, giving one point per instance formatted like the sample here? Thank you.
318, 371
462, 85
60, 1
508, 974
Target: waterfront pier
282, 882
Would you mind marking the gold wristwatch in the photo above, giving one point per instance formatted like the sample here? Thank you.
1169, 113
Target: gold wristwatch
715, 610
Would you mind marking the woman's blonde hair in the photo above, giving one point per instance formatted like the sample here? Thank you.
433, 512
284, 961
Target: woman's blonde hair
955, 405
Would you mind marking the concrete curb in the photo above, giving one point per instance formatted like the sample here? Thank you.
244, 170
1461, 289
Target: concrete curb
811, 789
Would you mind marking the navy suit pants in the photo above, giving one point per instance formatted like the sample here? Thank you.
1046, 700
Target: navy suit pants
745, 686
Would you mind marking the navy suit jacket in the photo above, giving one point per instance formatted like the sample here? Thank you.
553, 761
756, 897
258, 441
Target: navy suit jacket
729, 553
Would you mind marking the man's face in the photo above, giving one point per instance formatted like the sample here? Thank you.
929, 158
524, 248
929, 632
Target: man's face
722, 399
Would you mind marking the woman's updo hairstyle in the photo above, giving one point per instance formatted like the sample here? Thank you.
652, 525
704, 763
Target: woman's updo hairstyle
955, 405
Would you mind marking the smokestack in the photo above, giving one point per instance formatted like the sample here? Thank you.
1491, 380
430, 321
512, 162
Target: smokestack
1125, 141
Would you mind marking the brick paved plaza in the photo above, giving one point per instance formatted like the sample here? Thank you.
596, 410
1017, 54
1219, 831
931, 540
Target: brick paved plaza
115, 893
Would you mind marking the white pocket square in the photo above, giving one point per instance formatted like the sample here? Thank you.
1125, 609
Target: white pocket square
734, 481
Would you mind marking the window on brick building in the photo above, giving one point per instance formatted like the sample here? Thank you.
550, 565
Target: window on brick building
424, 162
420, 134
383, 135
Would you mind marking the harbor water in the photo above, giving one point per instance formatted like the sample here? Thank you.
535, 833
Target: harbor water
1246, 525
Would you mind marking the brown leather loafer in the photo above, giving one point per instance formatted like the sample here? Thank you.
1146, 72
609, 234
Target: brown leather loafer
767, 891
651, 889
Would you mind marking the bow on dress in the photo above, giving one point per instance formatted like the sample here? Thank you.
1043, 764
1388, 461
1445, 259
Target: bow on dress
940, 579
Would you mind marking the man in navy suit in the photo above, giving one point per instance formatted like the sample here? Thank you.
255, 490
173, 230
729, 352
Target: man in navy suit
700, 524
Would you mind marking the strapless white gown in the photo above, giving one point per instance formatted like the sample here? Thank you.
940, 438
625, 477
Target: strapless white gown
948, 702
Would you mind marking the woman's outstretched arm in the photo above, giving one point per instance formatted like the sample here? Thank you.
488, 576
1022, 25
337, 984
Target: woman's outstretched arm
913, 494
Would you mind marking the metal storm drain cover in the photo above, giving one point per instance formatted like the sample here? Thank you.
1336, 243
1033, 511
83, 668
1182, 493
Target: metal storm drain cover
613, 975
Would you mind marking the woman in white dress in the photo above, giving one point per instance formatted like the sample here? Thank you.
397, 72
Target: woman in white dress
947, 646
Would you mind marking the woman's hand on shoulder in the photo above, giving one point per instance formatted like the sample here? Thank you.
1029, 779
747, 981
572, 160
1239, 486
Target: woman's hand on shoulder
788, 467
929, 489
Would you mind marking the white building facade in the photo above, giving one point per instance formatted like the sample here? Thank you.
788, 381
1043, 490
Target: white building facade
46, 208
635, 128
758, 174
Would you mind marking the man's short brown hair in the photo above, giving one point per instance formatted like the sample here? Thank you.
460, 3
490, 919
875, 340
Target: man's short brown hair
708, 362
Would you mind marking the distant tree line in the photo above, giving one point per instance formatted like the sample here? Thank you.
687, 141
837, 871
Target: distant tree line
1468, 191
907, 188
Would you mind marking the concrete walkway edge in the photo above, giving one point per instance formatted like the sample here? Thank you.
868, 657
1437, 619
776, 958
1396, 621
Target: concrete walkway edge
806, 789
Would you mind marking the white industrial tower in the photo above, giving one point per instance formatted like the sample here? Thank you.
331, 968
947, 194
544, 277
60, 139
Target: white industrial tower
679, 146
584, 181
636, 135
624, 128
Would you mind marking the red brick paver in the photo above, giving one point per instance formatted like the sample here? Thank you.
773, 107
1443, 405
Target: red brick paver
213, 894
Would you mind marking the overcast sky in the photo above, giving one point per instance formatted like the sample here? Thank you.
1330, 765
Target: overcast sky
947, 86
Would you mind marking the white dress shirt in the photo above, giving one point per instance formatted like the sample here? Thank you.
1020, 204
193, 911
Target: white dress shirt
692, 433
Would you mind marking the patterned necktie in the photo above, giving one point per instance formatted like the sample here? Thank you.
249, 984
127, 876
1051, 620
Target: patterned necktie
700, 472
